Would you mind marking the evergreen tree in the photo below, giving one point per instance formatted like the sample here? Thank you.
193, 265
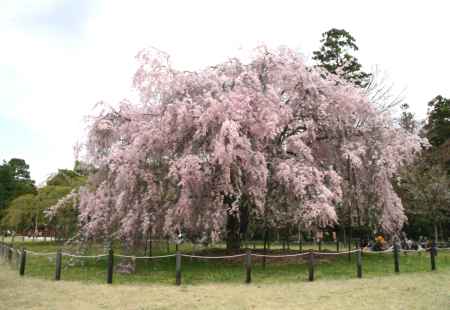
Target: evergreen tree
438, 123
335, 56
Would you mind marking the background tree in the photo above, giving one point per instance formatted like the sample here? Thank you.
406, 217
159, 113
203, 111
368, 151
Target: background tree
425, 190
19, 215
438, 121
335, 56
30, 211
14, 181
407, 119
424, 185
381, 91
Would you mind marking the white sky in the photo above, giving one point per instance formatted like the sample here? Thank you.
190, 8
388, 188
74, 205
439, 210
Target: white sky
58, 58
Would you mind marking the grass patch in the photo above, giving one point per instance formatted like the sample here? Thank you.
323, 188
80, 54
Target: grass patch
199, 271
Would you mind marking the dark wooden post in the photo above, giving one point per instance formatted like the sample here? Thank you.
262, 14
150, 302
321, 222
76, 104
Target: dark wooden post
150, 248
311, 266
337, 245
9, 253
17, 256
266, 237
109, 275
349, 248
23, 260
433, 252
58, 265
248, 267
396, 257
178, 268
359, 264
320, 245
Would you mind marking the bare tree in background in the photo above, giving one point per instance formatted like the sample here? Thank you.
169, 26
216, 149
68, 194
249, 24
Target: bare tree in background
381, 91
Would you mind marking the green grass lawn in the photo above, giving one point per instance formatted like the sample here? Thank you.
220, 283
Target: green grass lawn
200, 271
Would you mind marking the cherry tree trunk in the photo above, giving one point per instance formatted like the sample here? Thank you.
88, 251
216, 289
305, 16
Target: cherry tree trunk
233, 229
436, 235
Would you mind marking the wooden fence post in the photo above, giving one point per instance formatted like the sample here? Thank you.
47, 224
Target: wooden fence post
109, 275
23, 260
320, 245
17, 255
248, 267
337, 245
58, 265
359, 264
396, 257
311, 266
349, 249
433, 252
178, 268
9, 251
266, 243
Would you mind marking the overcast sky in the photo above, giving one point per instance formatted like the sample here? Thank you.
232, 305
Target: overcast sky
59, 57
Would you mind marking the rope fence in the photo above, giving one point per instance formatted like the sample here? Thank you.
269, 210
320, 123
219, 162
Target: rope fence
6, 253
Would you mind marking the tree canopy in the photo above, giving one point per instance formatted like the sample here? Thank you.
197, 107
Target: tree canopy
265, 142
14, 181
438, 121
335, 56
424, 185
29, 211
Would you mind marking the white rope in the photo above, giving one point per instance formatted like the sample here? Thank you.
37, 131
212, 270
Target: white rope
281, 256
83, 256
143, 257
413, 251
336, 253
380, 252
305, 253
213, 257
40, 254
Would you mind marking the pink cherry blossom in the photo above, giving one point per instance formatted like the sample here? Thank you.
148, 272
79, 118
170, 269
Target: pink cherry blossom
272, 134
